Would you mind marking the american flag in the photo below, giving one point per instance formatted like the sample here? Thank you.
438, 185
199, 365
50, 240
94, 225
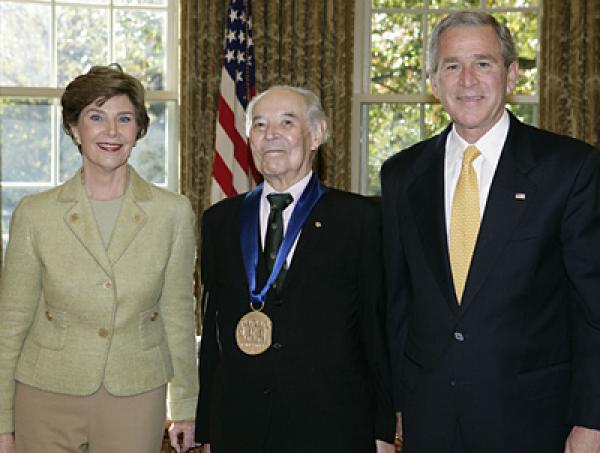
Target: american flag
233, 169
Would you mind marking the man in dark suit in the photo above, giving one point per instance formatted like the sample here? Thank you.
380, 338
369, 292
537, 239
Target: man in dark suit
493, 266
293, 355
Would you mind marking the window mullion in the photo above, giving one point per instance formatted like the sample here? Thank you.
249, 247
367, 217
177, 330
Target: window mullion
111, 45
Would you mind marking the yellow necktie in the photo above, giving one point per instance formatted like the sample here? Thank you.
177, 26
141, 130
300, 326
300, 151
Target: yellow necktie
464, 223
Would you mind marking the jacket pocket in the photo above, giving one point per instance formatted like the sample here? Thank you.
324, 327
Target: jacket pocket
152, 331
545, 382
50, 329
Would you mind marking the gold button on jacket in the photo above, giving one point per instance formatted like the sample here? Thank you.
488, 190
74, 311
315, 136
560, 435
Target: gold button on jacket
71, 335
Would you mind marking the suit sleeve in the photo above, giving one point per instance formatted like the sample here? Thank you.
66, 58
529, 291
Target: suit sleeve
581, 250
209, 354
177, 308
372, 301
396, 277
20, 293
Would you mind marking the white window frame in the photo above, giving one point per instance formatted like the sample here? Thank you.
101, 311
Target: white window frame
170, 94
362, 95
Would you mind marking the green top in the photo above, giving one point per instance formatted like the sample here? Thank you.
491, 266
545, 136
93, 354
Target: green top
106, 212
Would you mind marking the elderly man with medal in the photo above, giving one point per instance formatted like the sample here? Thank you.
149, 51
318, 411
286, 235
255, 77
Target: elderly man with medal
293, 355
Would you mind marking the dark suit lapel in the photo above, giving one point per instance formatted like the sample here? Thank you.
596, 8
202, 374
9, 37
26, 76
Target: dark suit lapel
426, 198
309, 236
510, 194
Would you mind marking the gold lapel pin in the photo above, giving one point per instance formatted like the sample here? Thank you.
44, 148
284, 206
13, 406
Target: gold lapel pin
318, 224
519, 196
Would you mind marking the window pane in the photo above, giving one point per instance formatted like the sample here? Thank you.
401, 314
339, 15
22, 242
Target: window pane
523, 27
140, 38
25, 137
10, 199
397, 3
149, 156
454, 3
141, 2
69, 158
91, 2
436, 119
396, 45
392, 127
525, 112
82, 39
521, 3
25, 30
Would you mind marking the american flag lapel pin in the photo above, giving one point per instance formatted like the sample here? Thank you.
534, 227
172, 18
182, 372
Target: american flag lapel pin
520, 196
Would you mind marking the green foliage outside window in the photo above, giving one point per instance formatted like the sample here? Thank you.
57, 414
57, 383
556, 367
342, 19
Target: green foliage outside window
397, 66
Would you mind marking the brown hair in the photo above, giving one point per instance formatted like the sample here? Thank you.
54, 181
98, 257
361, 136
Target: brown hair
98, 85
471, 19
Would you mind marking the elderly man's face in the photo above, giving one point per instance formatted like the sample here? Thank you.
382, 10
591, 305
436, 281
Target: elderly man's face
281, 139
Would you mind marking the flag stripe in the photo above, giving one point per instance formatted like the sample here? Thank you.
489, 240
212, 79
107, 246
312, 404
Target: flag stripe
227, 124
226, 183
233, 168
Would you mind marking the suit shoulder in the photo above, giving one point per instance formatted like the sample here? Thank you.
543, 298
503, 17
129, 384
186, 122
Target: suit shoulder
171, 204
352, 204
167, 195
40, 203
225, 207
558, 144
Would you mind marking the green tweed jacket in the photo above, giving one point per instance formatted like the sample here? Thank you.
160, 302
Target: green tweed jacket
75, 315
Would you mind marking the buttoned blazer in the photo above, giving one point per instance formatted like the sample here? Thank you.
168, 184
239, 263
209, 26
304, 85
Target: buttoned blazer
76, 315
323, 385
528, 328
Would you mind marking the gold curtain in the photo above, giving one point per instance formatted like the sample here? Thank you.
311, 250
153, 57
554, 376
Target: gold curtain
306, 43
310, 44
570, 68
297, 42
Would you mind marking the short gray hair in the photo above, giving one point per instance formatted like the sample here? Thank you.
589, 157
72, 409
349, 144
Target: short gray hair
314, 109
469, 19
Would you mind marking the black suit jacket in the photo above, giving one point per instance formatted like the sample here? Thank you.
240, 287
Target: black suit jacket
519, 360
324, 384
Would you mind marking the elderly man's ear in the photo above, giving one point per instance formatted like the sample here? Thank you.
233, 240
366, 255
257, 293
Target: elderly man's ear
318, 135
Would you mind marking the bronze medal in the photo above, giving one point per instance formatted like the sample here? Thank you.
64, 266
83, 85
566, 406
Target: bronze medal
253, 333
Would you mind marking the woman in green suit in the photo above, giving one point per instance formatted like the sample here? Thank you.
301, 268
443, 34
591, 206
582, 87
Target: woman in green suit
96, 299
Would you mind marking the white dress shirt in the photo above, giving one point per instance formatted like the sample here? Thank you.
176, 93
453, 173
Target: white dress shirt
265, 208
490, 146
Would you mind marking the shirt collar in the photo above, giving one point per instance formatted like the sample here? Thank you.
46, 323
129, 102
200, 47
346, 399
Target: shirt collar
295, 190
490, 144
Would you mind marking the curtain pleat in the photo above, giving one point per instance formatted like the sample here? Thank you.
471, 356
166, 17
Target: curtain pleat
570, 68
297, 42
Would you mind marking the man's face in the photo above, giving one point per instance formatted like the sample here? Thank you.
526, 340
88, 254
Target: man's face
281, 139
471, 79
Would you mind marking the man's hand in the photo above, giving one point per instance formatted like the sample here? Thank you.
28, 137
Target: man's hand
186, 428
384, 447
7, 443
399, 439
583, 440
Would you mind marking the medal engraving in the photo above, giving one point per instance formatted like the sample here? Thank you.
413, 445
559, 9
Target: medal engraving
253, 333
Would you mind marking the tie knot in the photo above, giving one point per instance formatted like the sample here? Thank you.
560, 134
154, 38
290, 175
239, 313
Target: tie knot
471, 153
279, 201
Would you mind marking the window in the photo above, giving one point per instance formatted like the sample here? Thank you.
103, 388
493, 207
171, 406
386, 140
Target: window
393, 107
44, 45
